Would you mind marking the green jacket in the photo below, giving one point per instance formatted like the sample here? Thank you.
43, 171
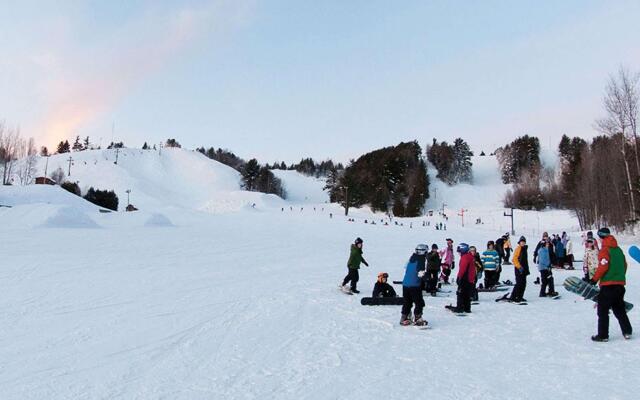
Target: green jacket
355, 258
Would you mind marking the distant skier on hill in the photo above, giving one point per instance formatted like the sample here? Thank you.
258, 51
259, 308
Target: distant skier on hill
611, 272
412, 287
448, 261
353, 265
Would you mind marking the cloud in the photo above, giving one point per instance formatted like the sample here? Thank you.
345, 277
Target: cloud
93, 79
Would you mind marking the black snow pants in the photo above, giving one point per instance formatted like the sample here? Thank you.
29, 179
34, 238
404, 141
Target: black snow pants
546, 279
411, 296
432, 281
465, 290
612, 297
353, 276
521, 284
490, 278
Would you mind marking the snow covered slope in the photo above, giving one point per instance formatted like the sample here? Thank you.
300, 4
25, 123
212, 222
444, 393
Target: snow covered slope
302, 188
175, 178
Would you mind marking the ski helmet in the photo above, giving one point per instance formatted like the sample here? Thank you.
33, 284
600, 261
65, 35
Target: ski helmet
422, 249
603, 233
358, 241
463, 248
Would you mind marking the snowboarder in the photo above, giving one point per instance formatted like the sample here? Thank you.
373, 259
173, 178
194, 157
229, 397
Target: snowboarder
465, 280
412, 287
521, 269
590, 262
612, 268
447, 258
490, 261
382, 288
353, 265
546, 275
433, 270
507, 249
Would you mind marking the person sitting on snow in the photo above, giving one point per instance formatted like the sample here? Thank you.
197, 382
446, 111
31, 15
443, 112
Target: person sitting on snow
382, 288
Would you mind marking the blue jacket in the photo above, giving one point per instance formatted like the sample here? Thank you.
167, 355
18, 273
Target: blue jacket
411, 278
544, 259
559, 249
490, 260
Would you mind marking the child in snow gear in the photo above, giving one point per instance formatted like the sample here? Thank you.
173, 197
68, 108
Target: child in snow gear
590, 262
490, 261
433, 269
447, 259
611, 273
546, 275
353, 265
477, 263
412, 288
542, 243
465, 280
507, 249
382, 288
521, 269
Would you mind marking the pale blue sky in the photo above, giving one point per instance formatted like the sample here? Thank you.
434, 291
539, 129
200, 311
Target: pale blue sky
283, 79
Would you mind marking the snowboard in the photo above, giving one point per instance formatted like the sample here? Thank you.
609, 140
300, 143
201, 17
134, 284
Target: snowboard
634, 252
345, 291
493, 289
451, 308
587, 290
381, 301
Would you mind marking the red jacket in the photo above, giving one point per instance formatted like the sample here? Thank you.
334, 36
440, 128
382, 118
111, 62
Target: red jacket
467, 268
612, 264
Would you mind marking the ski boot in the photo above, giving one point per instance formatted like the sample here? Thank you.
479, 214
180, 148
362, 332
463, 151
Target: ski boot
404, 320
418, 321
354, 290
597, 338
627, 336
552, 294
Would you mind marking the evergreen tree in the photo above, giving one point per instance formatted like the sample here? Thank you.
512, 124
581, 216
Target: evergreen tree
77, 145
145, 146
462, 165
250, 174
86, 144
44, 152
63, 147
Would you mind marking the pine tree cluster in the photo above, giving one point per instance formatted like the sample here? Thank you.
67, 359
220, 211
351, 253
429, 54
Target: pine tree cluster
520, 159
393, 180
453, 162
103, 198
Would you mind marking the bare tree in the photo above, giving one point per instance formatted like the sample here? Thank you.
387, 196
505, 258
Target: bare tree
57, 176
29, 153
9, 147
629, 86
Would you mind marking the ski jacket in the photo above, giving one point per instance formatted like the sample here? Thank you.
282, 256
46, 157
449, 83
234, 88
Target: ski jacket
507, 244
447, 256
355, 258
568, 247
467, 268
383, 289
490, 260
500, 245
612, 265
411, 278
544, 259
520, 259
560, 250
433, 261
590, 263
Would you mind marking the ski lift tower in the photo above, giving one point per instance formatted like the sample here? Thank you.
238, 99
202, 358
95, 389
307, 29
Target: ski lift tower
513, 232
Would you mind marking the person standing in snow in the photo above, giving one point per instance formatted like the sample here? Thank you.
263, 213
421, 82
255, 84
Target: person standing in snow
542, 243
382, 288
568, 253
465, 280
499, 246
477, 263
447, 259
546, 275
433, 270
490, 262
353, 265
521, 269
588, 237
560, 252
590, 262
412, 287
507, 248
611, 273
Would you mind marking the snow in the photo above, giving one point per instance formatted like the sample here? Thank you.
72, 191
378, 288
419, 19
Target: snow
240, 302
301, 188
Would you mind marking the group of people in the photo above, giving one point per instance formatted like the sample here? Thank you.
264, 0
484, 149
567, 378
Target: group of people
429, 267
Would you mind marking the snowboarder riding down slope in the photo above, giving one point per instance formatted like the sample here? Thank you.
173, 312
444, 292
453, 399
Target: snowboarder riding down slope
412, 287
521, 269
611, 272
353, 265
382, 288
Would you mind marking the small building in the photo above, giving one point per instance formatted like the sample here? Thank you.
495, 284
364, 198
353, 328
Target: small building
43, 180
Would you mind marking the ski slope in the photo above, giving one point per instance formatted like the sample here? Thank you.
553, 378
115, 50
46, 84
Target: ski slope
178, 302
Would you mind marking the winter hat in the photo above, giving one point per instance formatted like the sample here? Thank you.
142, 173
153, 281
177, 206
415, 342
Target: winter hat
590, 234
463, 248
358, 241
382, 275
603, 233
434, 247
522, 239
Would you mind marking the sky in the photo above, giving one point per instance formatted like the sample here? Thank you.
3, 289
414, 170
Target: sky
281, 80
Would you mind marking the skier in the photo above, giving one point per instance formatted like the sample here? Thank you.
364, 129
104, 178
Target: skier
412, 287
521, 269
447, 258
612, 268
546, 275
433, 269
465, 280
490, 260
590, 262
507, 248
353, 265
382, 288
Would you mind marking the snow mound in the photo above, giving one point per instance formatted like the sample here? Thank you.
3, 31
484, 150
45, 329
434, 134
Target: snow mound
301, 188
43, 194
158, 220
70, 217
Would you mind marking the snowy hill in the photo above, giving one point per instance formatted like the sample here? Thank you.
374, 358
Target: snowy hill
301, 188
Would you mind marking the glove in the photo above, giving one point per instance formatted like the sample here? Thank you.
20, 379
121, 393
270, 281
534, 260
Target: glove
420, 274
365, 263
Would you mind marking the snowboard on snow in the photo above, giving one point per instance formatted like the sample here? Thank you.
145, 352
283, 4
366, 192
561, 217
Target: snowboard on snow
634, 252
381, 301
587, 290
451, 308
349, 292
492, 289
507, 298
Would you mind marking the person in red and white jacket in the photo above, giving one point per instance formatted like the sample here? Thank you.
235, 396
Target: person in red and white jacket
465, 279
